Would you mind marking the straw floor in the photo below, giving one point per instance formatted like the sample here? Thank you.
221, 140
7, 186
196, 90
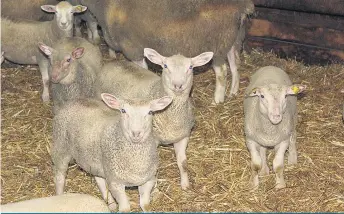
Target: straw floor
218, 161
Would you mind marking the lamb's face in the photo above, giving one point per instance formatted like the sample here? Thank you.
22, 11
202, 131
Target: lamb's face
64, 14
136, 116
177, 73
63, 64
273, 100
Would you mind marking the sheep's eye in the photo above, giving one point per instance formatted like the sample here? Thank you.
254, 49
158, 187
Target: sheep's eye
69, 59
285, 96
150, 112
165, 66
190, 67
262, 96
123, 111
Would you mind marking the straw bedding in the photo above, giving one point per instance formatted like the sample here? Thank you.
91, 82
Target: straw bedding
218, 161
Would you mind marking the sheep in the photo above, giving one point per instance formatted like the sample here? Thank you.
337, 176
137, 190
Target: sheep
26, 9
71, 202
172, 126
270, 121
118, 149
187, 27
75, 63
19, 39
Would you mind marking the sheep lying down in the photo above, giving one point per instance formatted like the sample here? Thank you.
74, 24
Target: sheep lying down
270, 121
71, 202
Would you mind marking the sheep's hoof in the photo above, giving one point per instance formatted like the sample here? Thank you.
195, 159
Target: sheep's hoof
45, 98
280, 186
113, 206
264, 171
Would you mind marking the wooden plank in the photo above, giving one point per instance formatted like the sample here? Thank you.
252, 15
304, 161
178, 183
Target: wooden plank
319, 36
301, 52
331, 7
300, 18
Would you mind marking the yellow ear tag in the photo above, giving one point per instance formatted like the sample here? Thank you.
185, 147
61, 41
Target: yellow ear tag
295, 89
254, 91
79, 8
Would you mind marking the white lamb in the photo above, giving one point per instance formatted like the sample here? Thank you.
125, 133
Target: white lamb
70, 202
270, 121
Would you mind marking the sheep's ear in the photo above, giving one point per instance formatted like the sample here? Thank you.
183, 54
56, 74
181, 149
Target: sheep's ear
154, 56
79, 9
202, 59
253, 92
111, 101
78, 52
295, 89
160, 104
45, 48
49, 8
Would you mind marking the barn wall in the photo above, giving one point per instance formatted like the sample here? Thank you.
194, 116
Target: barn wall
307, 30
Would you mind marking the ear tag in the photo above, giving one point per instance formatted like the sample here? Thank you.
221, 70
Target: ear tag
295, 89
79, 8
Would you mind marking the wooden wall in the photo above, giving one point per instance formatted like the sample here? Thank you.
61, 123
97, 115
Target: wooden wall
307, 30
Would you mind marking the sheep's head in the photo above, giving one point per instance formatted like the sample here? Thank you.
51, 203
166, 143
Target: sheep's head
177, 73
64, 14
273, 99
63, 63
136, 116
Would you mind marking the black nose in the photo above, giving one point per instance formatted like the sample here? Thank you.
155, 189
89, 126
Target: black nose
178, 86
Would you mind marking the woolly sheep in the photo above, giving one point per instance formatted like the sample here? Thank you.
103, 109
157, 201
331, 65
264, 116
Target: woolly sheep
26, 9
75, 63
270, 121
187, 27
118, 149
19, 39
172, 126
70, 202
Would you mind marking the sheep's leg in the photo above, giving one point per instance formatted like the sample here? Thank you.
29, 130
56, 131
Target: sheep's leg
292, 154
118, 191
101, 183
145, 192
112, 53
180, 150
221, 82
43, 64
77, 27
265, 168
92, 32
142, 63
60, 170
256, 162
278, 163
233, 58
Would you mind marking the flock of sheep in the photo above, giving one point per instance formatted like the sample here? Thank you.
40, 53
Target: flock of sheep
110, 118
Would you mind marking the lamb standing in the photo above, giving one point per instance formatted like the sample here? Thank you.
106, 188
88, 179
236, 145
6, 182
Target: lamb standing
172, 126
270, 121
187, 27
119, 150
75, 63
19, 39
70, 202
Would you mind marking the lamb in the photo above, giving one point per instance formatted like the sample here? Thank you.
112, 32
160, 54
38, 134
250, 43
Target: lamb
187, 27
19, 39
172, 126
118, 149
270, 121
70, 202
75, 63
